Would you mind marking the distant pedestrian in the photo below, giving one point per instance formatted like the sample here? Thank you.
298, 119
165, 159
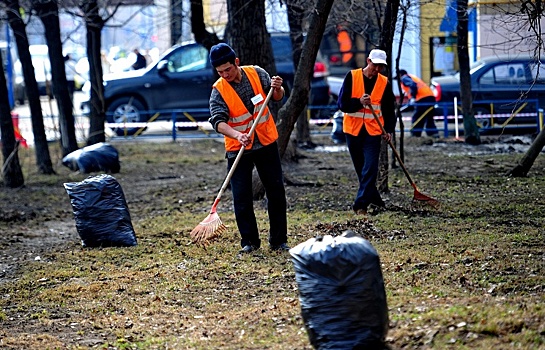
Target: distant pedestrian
421, 96
140, 60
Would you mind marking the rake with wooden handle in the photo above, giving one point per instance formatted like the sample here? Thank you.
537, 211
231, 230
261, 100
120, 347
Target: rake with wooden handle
211, 227
418, 196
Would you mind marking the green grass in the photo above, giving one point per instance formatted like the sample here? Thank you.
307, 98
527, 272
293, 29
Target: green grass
467, 276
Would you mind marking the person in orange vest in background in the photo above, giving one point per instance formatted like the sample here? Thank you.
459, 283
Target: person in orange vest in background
345, 45
235, 101
363, 89
18, 136
422, 98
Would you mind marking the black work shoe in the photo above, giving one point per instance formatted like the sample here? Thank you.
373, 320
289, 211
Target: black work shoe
281, 247
247, 249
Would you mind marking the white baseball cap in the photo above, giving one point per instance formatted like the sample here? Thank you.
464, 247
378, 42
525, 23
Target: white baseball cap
378, 56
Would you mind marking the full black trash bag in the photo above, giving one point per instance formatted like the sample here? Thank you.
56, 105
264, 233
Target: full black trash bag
98, 157
101, 212
341, 291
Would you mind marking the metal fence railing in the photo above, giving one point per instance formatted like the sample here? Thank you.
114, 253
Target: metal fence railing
172, 124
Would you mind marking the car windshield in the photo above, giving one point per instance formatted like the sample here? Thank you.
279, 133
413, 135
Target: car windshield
190, 58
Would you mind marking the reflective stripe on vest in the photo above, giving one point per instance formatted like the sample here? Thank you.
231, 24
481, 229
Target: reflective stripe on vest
240, 118
366, 114
246, 121
353, 122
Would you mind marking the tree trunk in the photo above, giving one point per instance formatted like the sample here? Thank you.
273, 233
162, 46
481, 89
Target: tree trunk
388, 31
297, 101
94, 24
48, 12
383, 169
198, 28
524, 165
248, 35
295, 21
399, 116
41, 149
303, 131
471, 131
11, 169
386, 40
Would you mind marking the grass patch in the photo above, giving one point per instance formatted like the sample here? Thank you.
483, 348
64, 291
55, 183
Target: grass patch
467, 276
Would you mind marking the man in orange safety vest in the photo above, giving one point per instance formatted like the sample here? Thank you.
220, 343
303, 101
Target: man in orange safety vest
363, 92
422, 98
236, 99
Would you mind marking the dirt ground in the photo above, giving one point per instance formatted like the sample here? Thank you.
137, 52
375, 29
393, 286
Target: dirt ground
38, 218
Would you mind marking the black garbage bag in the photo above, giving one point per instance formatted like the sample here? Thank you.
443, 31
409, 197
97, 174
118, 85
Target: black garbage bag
98, 157
341, 291
101, 212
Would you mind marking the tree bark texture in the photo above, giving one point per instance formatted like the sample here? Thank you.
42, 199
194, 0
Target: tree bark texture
11, 169
94, 24
388, 31
386, 39
41, 148
198, 28
295, 20
471, 131
524, 165
298, 99
399, 116
247, 34
48, 12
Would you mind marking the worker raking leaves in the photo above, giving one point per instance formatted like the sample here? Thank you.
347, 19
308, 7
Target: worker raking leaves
250, 141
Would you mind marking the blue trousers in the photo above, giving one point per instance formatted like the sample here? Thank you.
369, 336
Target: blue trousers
427, 123
267, 162
364, 150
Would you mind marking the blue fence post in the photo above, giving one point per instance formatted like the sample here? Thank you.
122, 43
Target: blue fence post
445, 120
9, 69
173, 126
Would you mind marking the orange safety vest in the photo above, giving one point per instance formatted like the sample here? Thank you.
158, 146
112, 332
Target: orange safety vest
345, 45
239, 117
422, 91
353, 122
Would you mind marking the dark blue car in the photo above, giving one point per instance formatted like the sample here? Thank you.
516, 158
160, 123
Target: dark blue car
501, 87
182, 80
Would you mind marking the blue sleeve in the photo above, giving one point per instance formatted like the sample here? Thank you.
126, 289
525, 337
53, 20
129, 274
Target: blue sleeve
408, 82
345, 102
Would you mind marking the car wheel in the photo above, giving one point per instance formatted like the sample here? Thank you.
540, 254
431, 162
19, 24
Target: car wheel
126, 110
482, 115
